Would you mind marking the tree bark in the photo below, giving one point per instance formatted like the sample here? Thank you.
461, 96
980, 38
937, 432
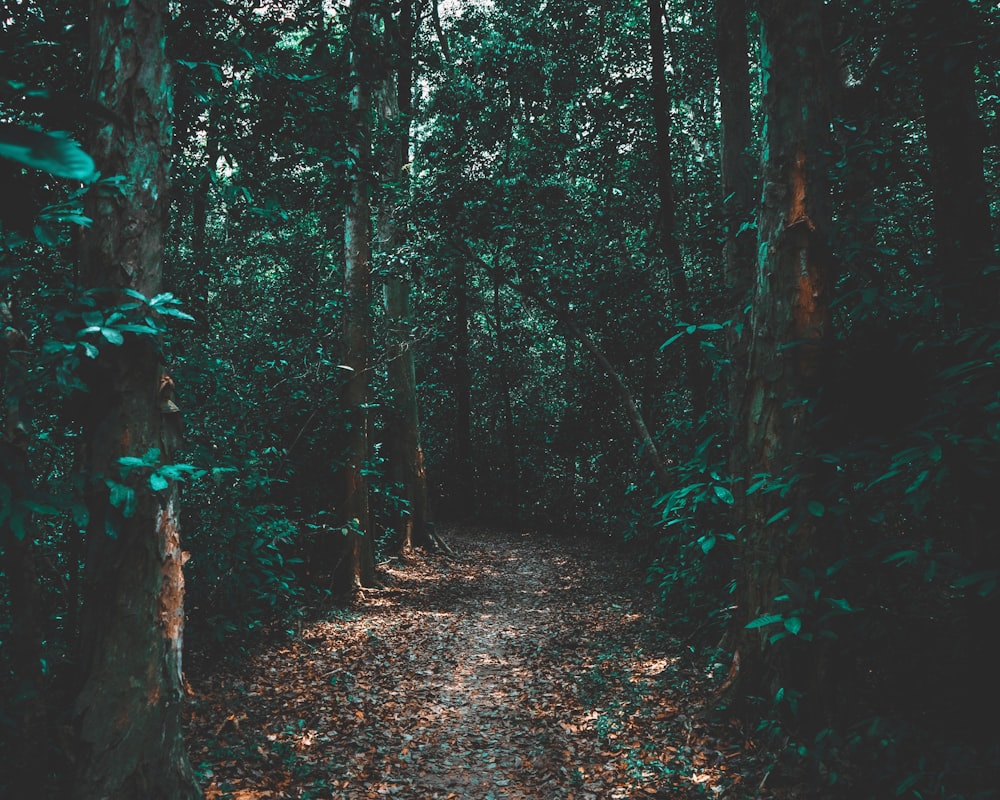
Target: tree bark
737, 186
636, 420
466, 477
357, 565
128, 709
789, 328
25, 739
201, 252
405, 454
509, 478
665, 227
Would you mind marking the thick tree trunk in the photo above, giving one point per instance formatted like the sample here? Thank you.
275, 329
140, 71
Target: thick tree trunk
665, 231
790, 325
357, 564
128, 710
963, 238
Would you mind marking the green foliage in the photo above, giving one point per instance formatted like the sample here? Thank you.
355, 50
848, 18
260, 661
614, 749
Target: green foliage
54, 153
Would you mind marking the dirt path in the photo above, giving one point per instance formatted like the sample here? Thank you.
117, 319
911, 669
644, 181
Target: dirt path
523, 669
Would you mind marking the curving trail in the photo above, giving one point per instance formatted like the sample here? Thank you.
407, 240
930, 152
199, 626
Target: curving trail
524, 669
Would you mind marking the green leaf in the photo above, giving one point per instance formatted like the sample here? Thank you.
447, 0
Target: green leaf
793, 625
903, 557
843, 605
766, 619
890, 474
123, 498
112, 335
976, 577
157, 482
779, 515
16, 524
724, 494
671, 340
707, 543
816, 508
176, 313
54, 153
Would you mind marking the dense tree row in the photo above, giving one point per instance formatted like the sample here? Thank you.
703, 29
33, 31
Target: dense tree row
719, 283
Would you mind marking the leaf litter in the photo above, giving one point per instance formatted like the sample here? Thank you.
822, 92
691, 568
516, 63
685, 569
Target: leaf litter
526, 668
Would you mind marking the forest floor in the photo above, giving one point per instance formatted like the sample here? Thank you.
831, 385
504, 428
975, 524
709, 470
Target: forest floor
526, 668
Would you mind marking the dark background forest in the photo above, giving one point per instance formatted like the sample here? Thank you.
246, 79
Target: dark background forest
713, 284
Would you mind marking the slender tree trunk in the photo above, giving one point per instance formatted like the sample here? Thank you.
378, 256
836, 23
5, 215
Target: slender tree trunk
200, 250
790, 325
26, 742
737, 183
357, 565
648, 447
510, 478
128, 710
405, 454
466, 478
963, 237
666, 223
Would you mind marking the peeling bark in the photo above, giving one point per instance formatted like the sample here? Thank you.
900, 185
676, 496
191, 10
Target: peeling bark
789, 328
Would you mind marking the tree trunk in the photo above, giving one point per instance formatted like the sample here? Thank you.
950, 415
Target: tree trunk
737, 184
357, 564
201, 253
25, 739
648, 447
128, 710
509, 478
789, 327
665, 226
963, 238
466, 477
405, 454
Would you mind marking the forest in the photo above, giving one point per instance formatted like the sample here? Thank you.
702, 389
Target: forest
484, 399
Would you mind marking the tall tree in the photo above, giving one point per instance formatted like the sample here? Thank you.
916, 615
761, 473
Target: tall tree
789, 327
466, 482
665, 227
25, 739
405, 453
128, 709
357, 565
737, 144
736, 133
